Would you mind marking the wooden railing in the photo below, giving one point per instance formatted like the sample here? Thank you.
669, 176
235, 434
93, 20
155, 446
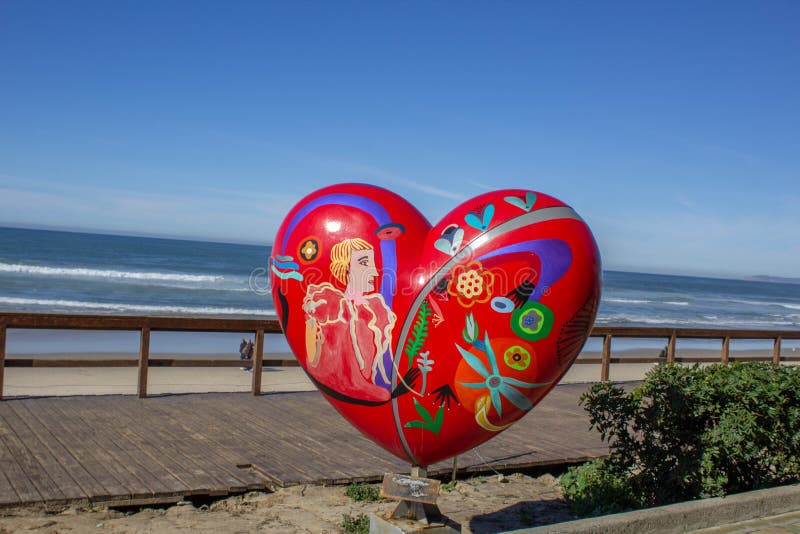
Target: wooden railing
671, 335
144, 325
259, 327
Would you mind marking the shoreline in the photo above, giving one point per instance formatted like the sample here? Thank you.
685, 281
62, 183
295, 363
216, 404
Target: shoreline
68, 381
638, 352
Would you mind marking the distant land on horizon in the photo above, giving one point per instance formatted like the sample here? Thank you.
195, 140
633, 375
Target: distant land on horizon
94, 231
90, 231
776, 279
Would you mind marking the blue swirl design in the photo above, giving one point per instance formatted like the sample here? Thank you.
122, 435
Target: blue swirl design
378, 214
555, 255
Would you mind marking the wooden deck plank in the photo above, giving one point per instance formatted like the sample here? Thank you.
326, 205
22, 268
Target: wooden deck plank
338, 451
158, 441
211, 438
125, 470
39, 448
148, 450
329, 426
181, 458
276, 437
29, 465
218, 460
79, 444
158, 480
48, 436
22, 489
298, 431
7, 493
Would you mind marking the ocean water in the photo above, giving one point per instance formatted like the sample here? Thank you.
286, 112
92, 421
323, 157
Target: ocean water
638, 299
68, 272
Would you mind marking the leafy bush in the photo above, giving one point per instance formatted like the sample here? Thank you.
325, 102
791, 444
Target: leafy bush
355, 525
688, 433
361, 492
594, 489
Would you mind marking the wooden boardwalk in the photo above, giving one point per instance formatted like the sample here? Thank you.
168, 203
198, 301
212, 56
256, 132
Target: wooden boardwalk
125, 450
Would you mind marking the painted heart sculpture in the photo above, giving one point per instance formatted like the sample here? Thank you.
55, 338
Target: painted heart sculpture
431, 340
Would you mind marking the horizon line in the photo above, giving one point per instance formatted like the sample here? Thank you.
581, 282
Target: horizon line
167, 237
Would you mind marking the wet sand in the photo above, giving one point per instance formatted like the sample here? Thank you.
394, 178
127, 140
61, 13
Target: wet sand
55, 381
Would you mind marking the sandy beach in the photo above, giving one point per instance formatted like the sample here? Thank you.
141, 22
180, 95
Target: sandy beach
60, 381
481, 504
57, 381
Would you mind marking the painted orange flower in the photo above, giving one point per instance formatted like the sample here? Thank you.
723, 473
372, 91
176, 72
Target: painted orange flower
470, 284
309, 250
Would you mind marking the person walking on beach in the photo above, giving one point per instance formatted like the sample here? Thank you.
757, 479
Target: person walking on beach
246, 349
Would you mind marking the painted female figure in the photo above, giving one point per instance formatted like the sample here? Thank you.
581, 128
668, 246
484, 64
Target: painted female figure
348, 331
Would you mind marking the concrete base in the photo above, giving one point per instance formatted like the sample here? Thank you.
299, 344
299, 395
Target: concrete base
685, 516
393, 525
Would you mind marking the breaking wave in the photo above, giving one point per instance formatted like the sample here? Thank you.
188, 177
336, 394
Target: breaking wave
111, 307
18, 268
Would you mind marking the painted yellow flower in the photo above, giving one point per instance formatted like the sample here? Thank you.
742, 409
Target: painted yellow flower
470, 284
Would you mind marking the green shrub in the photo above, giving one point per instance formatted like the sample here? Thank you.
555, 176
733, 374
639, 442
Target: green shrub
690, 432
355, 525
361, 492
594, 489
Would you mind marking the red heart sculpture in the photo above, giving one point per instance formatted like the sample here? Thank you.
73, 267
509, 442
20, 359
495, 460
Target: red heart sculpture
431, 340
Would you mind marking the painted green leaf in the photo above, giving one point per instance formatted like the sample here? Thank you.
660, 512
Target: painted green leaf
437, 423
429, 423
423, 412
419, 333
416, 424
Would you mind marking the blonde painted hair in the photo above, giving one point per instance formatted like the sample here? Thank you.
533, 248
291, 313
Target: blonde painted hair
340, 256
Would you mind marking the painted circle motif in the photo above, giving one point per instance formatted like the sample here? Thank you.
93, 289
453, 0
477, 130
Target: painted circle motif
309, 250
517, 357
533, 321
390, 231
502, 305
470, 397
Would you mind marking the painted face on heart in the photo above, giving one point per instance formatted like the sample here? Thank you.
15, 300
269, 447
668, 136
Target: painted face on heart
361, 275
349, 328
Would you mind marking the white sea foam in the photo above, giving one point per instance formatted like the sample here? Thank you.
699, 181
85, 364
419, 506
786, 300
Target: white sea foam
19, 268
787, 305
623, 318
132, 308
620, 300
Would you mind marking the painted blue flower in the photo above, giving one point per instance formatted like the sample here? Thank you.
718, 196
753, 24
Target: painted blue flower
531, 320
496, 383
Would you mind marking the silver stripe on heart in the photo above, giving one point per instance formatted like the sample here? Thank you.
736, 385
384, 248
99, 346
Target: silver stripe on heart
526, 219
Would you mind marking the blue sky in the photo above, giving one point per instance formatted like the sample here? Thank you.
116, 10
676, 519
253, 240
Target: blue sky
673, 129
